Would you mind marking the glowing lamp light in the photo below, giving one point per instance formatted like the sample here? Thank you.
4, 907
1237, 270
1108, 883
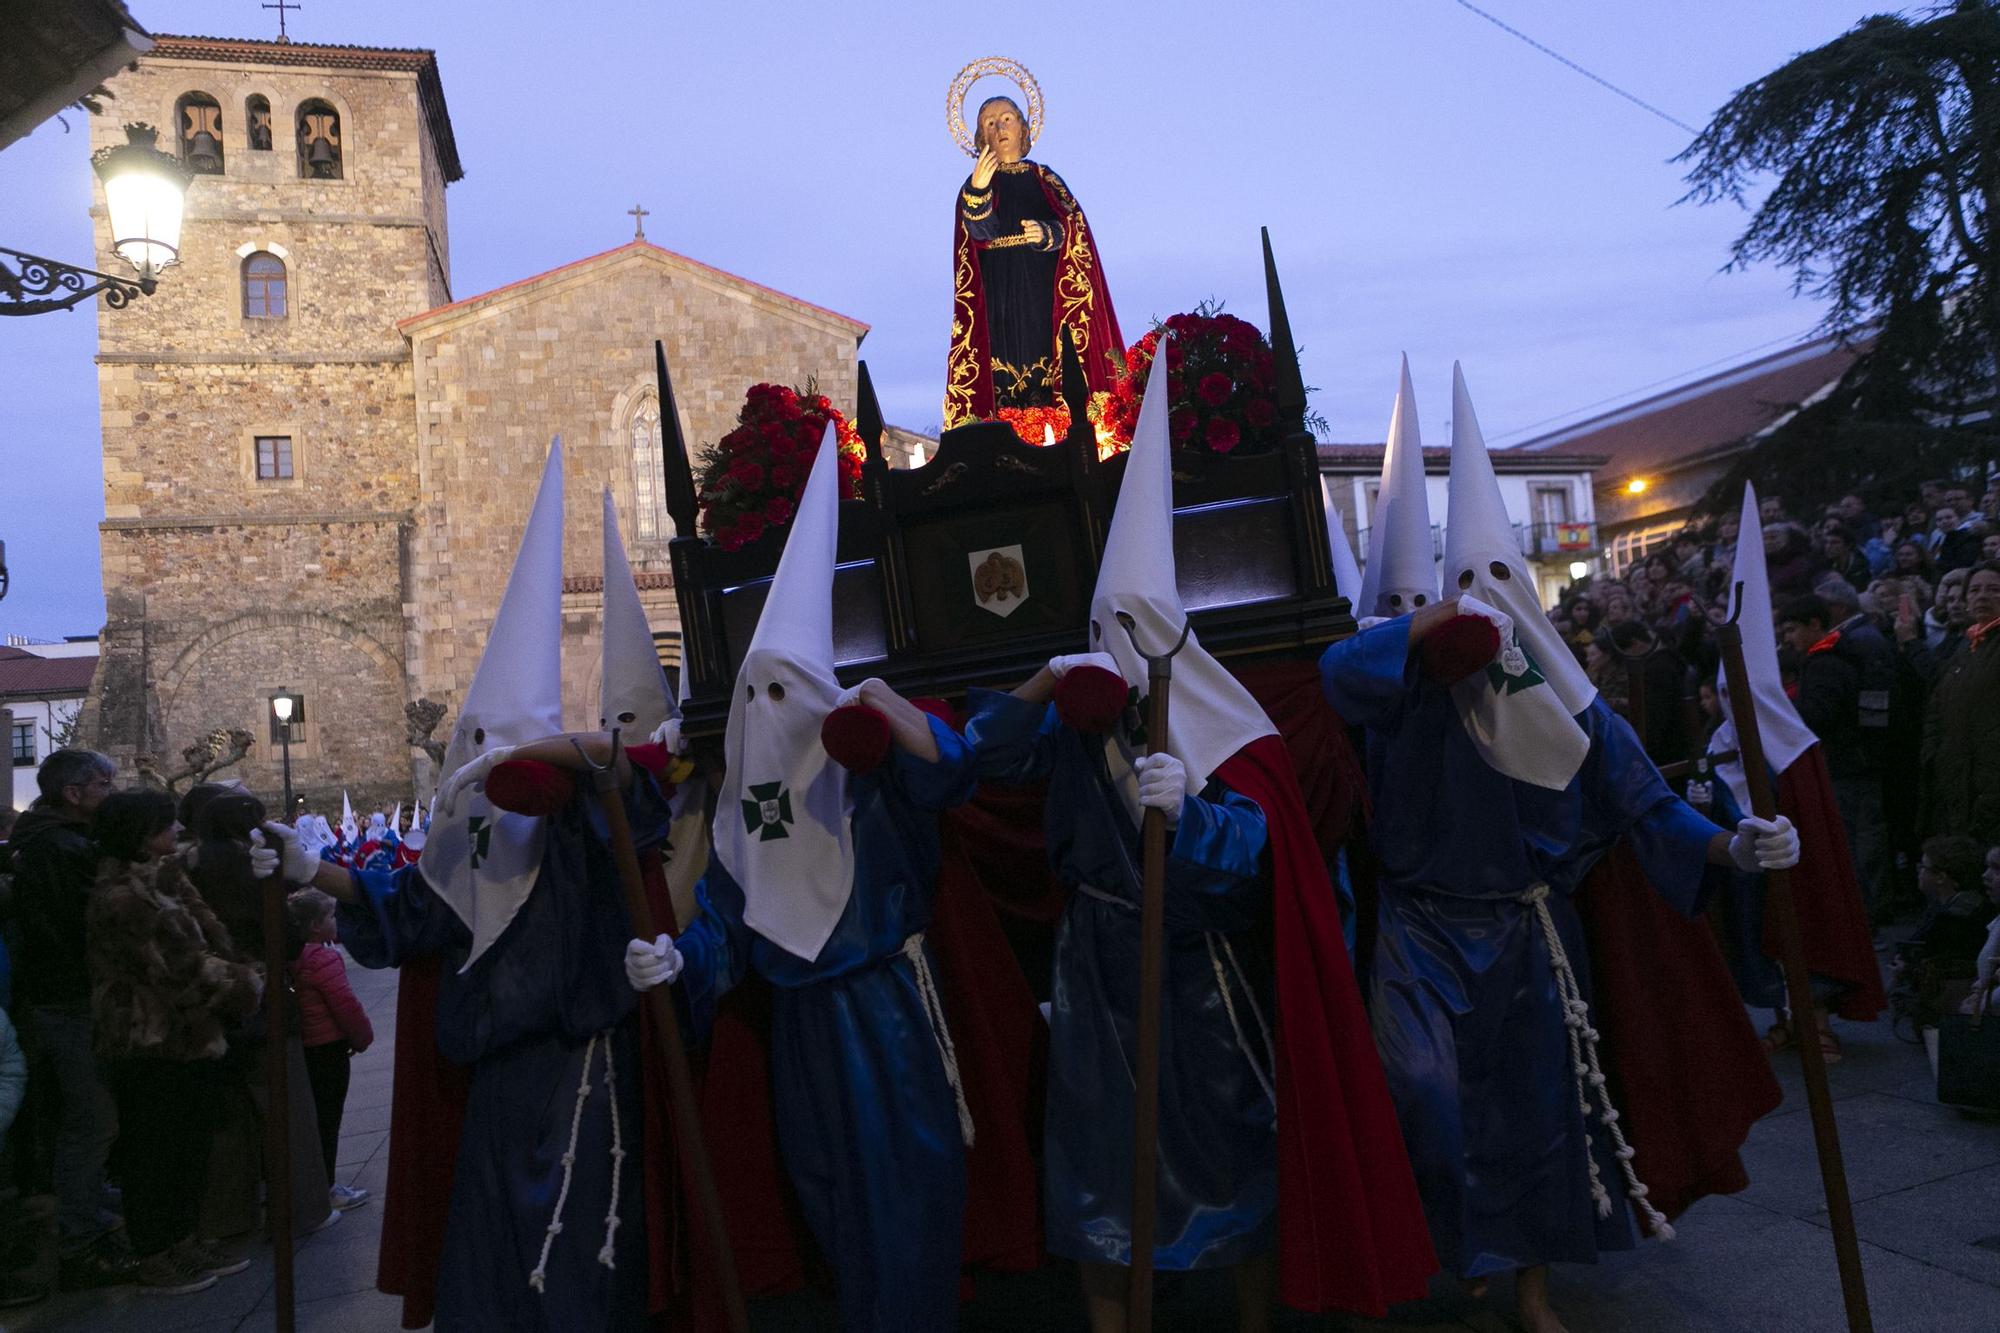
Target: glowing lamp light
1636, 486
281, 708
1577, 569
145, 195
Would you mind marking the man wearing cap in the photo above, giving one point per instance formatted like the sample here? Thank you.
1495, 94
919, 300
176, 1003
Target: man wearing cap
1243, 1184
1499, 778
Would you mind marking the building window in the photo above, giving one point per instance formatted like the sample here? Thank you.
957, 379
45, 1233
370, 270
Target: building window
24, 745
274, 458
650, 522
319, 141
263, 286
1551, 504
198, 133
257, 121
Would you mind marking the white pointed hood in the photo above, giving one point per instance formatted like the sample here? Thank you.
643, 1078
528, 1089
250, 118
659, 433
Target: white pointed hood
486, 860
1784, 733
396, 819
1520, 711
783, 819
1213, 716
349, 829
633, 689
1402, 566
1346, 571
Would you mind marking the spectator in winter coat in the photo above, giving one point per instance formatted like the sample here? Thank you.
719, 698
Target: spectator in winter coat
55, 865
333, 1026
1962, 725
165, 988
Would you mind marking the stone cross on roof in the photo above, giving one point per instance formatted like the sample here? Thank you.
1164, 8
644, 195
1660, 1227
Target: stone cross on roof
639, 216
281, 6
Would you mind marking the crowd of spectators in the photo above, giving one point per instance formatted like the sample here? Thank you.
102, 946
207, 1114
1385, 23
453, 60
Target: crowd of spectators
132, 965
1883, 614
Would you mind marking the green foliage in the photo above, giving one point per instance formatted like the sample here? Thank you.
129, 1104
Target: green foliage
1881, 150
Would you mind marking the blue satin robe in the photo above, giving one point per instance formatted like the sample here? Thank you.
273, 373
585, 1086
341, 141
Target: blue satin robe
523, 1017
1218, 1182
1463, 995
867, 1123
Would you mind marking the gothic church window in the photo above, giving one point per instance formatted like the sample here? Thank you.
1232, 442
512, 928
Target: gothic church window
257, 120
264, 286
198, 133
650, 522
274, 458
319, 141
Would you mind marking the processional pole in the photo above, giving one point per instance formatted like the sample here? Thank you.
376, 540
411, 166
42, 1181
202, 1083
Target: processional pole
667, 1025
1152, 933
1798, 982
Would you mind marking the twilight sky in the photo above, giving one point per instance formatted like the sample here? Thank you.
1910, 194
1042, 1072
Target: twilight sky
1432, 185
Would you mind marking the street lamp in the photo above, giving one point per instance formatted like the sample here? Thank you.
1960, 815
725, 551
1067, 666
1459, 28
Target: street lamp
1577, 569
145, 195
284, 705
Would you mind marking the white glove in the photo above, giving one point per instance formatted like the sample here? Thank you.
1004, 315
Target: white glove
649, 965
1062, 666
301, 862
668, 733
263, 860
1469, 605
472, 777
1162, 785
1701, 795
852, 695
1764, 845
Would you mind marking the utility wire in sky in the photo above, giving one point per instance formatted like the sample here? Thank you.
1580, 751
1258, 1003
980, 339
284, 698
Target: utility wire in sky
1565, 60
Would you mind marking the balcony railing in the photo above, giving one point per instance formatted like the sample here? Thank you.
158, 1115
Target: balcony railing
1538, 541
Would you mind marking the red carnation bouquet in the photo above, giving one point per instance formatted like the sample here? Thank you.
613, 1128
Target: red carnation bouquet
751, 478
1222, 386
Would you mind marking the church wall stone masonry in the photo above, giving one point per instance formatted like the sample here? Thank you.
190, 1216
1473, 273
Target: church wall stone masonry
366, 574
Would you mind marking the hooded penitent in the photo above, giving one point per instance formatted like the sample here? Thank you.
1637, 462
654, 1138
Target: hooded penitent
486, 859
1521, 710
783, 826
1213, 716
1783, 731
1346, 572
350, 830
633, 694
1402, 571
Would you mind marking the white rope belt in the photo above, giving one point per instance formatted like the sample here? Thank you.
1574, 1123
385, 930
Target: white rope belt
927, 988
1235, 1024
1589, 1075
607, 1253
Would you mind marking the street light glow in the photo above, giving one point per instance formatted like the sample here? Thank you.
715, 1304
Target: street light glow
1636, 486
281, 707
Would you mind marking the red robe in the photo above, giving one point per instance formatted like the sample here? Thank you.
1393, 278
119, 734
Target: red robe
1082, 304
1839, 945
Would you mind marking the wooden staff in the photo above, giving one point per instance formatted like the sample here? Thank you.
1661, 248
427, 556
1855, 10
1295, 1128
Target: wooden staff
277, 1104
666, 1023
1798, 983
1152, 935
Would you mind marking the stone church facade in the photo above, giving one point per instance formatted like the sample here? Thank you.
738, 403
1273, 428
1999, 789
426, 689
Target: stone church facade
317, 463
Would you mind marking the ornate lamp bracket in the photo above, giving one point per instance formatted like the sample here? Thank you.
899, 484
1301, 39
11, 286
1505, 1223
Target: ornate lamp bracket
32, 285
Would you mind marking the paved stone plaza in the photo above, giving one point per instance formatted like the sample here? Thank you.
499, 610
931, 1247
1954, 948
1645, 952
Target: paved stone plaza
1926, 1185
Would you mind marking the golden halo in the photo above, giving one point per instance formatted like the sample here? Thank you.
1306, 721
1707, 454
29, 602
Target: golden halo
1011, 70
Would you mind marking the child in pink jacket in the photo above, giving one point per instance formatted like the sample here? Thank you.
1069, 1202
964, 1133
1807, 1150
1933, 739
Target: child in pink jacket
335, 1028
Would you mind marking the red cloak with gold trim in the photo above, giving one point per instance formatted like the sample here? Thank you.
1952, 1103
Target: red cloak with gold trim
1082, 304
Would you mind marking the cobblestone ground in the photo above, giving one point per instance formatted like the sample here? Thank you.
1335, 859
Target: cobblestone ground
1925, 1180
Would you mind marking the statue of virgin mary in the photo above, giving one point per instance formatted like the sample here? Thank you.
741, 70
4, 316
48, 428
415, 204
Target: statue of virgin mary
1024, 267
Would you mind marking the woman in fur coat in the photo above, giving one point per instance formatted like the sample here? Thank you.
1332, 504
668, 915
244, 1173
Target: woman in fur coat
166, 984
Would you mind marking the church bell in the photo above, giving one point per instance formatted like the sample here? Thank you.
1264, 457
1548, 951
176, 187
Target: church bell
205, 153
320, 158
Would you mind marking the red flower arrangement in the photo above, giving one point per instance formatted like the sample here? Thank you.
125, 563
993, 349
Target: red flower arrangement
1221, 389
1034, 425
751, 478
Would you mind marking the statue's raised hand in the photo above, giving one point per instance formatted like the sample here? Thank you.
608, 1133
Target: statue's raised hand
983, 169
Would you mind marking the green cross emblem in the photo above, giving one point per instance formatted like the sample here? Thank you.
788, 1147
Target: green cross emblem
480, 829
767, 810
1514, 670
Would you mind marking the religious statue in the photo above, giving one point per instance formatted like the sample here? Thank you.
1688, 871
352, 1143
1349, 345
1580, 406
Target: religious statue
1024, 265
